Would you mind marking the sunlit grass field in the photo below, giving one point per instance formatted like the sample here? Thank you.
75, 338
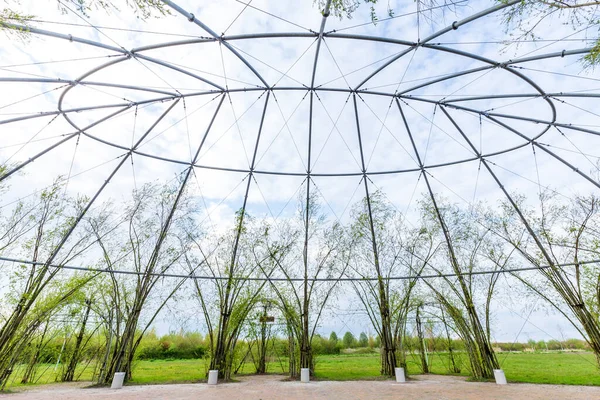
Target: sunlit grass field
577, 368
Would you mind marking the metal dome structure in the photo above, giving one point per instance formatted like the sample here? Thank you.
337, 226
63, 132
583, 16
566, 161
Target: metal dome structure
520, 114
257, 107
383, 120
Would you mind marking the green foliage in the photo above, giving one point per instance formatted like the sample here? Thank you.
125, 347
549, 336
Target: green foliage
189, 345
349, 340
333, 337
571, 368
345, 8
323, 346
363, 340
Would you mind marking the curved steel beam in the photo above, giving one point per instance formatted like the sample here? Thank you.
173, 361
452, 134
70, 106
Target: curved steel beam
509, 116
245, 202
305, 303
193, 19
445, 78
181, 70
319, 41
55, 145
294, 279
465, 299
86, 83
536, 144
558, 280
455, 25
70, 38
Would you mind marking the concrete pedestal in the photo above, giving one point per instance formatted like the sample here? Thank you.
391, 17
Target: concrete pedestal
500, 377
400, 378
304, 375
213, 376
117, 382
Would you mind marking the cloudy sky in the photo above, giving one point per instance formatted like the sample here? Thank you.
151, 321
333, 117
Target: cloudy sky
123, 79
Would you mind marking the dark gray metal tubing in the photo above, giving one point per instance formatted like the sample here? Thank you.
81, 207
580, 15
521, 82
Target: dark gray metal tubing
319, 40
131, 87
183, 71
245, 202
550, 55
511, 70
70, 38
193, 19
536, 144
492, 114
91, 83
70, 110
521, 95
548, 124
561, 125
71, 229
267, 35
368, 198
309, 154
348, 279
508, 196
454, 26
421, 167
100, 190
308, 180
378, 70
201, 145
131, 150
346, 36
69, 137
451, 253
38, 155
173, 44
586, 176
310, 35
180, 191
279, 173
40, 80
151, 128
85, 75
445, 78
228, 38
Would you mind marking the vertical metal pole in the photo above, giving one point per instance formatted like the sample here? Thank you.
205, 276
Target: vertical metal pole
389, 355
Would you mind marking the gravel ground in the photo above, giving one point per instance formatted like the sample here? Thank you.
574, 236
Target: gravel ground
272, 387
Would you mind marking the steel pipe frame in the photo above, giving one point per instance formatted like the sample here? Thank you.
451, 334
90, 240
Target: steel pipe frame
280, 173
430, 166
524, 221
224, 41
306, 292
193, 19
492, 64
292, 279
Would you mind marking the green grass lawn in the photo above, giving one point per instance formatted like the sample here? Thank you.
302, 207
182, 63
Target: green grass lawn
556, 368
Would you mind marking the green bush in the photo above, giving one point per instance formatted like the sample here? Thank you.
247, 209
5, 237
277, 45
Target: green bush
322, 346
188, 345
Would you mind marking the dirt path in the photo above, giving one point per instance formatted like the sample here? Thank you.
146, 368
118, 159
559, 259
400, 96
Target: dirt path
272, 387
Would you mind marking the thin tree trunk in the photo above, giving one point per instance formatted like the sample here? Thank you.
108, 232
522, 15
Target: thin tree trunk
421, 339
70, 372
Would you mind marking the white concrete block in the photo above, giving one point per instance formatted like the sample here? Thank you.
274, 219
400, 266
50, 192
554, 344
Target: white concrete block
304, 375
400, 378
500, 377
117, 382
213, 376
